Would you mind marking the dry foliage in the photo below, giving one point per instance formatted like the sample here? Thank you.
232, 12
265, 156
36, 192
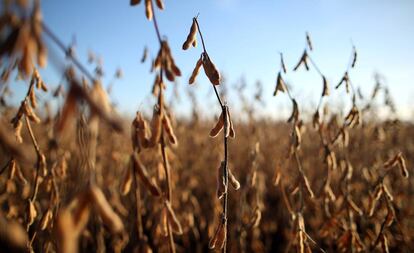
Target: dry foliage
327, 180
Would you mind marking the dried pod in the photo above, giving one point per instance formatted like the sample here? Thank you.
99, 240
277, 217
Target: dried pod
308, 41
156, 125
349, 170
389, 219
232, 133
108, 215
345, 79
134, 2
168, 129
220, 236
32, 97
354, 57
31, 213
227, 123
402, 165
144, 55
160, 4
196, 71
276, 177
280, 84
374, 200
164, 222
18, 172
43, 86
18, 131
127, 182
325, 91
253, 177
170, 66
191, 37
139, 132
221, 186
46, 219
255, 219
328, 190
282, 63
211, 71
295, 112
42, 164
172, 219
217, 128
303, 60
148, 9
353, 117
345, 136
30, 114
297, 137
233, 181
387, 192
144, 177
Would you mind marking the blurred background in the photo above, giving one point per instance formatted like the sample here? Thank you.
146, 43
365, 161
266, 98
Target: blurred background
244, 39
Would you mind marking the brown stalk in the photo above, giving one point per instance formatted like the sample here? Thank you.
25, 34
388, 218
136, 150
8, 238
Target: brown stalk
162, 141
224, 110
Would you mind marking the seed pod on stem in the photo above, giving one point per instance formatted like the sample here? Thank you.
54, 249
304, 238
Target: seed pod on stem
196, 71
220, 235
217, 128
160, 4
134, 2
210, 69
191, 37
144, 177
280, 84
295, 112
168, 129
221, 187
148, 9
233, 181
108, 215
303, 60
156, 125
127, 182
255, 219
325, 91
308, 41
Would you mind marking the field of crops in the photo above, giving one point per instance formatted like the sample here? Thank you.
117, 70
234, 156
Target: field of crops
81, 178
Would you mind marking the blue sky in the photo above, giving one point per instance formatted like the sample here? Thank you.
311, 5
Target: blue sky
244, 38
